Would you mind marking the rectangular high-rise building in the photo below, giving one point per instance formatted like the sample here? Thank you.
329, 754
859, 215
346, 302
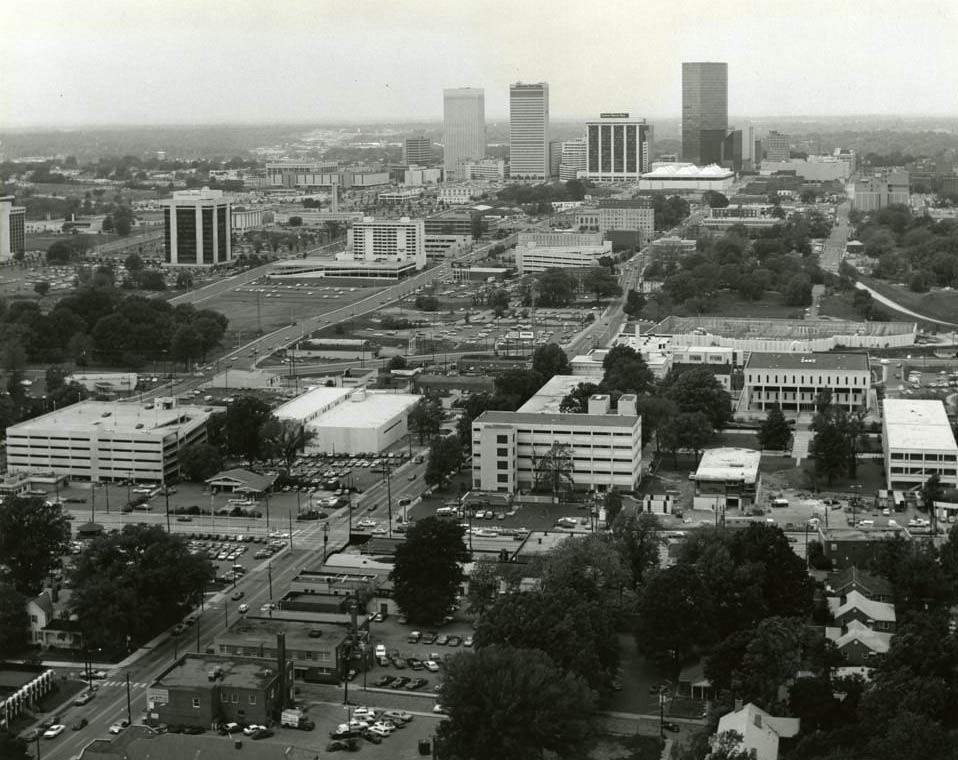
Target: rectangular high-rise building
617, 148
529, 131
776, 146
12, 228
464, 127
704, 112
573, 159
399, 240
196, 228
417, 150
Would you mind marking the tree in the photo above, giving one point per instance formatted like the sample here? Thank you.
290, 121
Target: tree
187, 345
498, 301
714, 199
556, 287
151, 279
550, 360
14, 748
129, 586
516, 386
590, 565
691, 431
634, 303
639, 542
932, 491
133, 263
697, 390
587, 645
296, 221
33, 537
626, 371
483, 585
42, 288
14, 623
601, 282
672, 615
54, 378
184, 280
798, 290
427, 571
445, 457
285, 439
505, 703
577, 400
427, 303
108, 223
612, 503
200, 461
123, 219
553, 471
397, 362
243, 423
425, 419
774, 433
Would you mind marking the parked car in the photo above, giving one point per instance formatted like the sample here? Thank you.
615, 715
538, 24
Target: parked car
400, 683
399, 717
54, 731
117, 728
673, 727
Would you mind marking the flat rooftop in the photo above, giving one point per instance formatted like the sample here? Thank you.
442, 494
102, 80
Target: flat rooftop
917, 424
550, 395
252, 632
193, 671
728, 463
123, 417
819, 360
311, 402
370, 412
782, 329
559, 420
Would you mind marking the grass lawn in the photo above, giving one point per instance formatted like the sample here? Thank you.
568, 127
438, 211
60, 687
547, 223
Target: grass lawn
727, 304
838, 306
871, 477
939, 304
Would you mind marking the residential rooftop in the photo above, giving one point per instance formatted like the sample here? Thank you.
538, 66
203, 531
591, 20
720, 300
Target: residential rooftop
854, 600
848, 362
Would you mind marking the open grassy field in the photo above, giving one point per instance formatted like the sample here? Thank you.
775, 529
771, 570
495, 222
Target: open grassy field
938, 304
838, 306
727, 304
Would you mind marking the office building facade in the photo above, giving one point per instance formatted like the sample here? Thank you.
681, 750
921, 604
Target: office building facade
627, 222
777, 146
704, 111
792, 382
417, 151
529, 155
12, 229
401, 240
464, 127
617, 148
919, 443
196, 228
573, 159
882, 190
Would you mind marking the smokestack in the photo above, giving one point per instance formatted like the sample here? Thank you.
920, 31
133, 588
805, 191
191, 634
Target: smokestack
284, 688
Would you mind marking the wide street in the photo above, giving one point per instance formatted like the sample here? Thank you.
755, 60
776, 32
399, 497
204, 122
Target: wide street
110, 704
835, 245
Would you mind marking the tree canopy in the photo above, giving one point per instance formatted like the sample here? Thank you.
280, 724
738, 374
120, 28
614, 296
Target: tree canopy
134, 584
427, 572
508, 703
549, 360
34, 535
243, 423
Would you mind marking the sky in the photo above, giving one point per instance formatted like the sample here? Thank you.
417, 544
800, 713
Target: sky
70, 63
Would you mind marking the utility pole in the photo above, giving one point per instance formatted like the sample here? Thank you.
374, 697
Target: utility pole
290, 532
166, 494
129, 702
389, 497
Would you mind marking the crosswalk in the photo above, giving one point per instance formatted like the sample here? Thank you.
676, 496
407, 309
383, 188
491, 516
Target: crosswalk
122, 684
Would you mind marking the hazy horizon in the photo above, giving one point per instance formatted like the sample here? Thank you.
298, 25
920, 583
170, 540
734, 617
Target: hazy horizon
112, 64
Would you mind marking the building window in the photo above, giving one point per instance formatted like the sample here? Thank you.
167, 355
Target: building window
234, 698
196, 703
252, 699
502, 439
502, 452
502, 477
502, 465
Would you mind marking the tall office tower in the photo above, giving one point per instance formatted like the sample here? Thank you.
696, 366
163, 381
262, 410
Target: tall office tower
618, 148
704, 111
573, 159
529, 131
196, 229
417, 150
776, 146
12, 228
464, 127
738, 152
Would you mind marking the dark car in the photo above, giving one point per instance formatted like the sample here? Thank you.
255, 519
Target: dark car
429, 638
371, 737
399, 663
263, 733
454, 641
673, 727
80, 723
400, 683
417, 683
237, 595
384, 681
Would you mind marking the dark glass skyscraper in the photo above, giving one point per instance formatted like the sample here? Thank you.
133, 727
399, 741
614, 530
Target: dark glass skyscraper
704, 111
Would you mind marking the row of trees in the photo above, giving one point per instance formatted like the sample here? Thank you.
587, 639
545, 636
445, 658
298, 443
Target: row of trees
557, 287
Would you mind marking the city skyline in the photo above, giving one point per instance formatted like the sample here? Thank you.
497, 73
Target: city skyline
110, 63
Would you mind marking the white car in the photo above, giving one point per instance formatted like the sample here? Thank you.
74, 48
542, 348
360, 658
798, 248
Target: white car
365, 712
117, 727
386, 725
432, 666
379, 730
243, 609
252, 728
54, 731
